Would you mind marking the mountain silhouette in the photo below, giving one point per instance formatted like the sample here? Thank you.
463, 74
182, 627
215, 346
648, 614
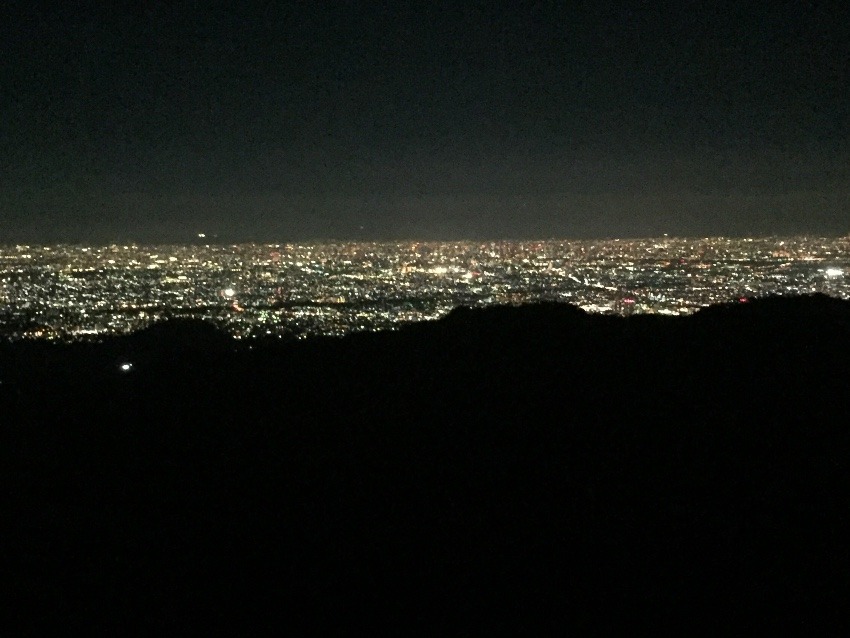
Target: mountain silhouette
508, 469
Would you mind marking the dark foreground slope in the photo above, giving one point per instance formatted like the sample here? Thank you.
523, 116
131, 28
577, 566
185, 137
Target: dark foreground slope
498, 469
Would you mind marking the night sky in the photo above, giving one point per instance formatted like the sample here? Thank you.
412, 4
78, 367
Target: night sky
423, 120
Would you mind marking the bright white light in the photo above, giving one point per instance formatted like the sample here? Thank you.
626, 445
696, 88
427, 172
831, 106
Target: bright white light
834, 272
440, 270
229, 292
126, 367
202, 235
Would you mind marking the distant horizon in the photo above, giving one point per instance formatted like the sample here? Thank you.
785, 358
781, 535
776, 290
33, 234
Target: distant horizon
196, 241
240, 217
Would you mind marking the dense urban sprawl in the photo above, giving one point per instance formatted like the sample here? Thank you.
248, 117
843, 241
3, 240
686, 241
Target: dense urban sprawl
71, 292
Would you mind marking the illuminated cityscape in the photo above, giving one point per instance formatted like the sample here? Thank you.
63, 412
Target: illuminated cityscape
71, 292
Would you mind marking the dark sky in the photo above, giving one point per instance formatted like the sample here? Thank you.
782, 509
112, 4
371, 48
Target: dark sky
432, 119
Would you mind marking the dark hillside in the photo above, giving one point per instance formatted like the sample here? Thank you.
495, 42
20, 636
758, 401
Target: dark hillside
498, 469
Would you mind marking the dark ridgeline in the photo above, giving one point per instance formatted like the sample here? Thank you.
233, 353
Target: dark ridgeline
506, 468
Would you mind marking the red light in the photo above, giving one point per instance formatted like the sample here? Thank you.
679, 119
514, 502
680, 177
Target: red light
743, 300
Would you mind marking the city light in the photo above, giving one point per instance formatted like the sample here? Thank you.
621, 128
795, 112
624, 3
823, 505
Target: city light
68, 293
